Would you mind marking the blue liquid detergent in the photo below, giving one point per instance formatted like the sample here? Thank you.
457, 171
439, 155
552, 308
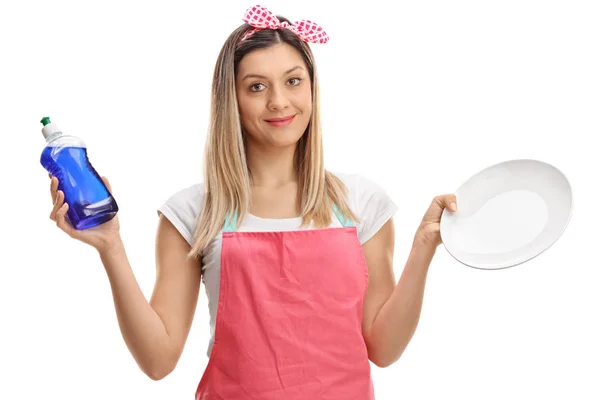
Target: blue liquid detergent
66, 158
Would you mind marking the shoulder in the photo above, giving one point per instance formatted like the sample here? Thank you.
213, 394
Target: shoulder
182, 208
188, 194
371, 202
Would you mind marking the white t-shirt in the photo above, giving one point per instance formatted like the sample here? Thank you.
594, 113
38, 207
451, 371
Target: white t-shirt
367, 199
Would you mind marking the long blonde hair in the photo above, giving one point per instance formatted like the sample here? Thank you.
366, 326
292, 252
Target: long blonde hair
226, 176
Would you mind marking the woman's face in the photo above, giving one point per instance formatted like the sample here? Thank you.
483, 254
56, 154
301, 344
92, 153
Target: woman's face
274, 96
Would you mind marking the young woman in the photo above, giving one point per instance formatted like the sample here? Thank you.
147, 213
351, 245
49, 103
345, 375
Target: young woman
297, 261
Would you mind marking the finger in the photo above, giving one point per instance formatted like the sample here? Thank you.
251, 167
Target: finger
61, 219
450, 201
107, 183
447, 201
53, 188
58, 203
60, 215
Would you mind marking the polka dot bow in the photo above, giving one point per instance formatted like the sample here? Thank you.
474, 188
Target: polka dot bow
259, 17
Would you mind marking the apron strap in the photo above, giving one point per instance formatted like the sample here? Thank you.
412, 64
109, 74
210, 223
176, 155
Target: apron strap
346, 222
231, 221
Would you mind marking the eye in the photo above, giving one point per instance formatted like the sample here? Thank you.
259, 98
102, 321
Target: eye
257, 87
295, 81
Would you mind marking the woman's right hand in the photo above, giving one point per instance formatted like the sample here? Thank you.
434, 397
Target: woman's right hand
103, 237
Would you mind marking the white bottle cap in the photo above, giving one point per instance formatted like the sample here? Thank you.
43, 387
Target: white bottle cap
49, 128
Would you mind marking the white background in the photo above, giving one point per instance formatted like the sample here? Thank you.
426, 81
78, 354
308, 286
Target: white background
418, 96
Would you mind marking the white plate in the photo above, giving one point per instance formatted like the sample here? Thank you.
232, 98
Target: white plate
507, 214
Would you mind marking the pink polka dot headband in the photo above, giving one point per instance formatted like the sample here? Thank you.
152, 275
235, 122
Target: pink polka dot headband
259, 17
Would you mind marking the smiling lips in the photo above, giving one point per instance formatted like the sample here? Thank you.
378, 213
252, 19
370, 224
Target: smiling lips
283, 121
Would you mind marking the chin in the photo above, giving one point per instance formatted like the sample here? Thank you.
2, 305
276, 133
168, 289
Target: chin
283, 143
277, 137
284, 137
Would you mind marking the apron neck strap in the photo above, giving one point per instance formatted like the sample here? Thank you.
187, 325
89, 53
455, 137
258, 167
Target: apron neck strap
346, 222
231, 221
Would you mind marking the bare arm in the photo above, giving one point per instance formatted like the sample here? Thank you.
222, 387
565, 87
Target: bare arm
392, 310
156, 331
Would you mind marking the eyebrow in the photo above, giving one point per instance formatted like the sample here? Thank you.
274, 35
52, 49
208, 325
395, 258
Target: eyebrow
289, 71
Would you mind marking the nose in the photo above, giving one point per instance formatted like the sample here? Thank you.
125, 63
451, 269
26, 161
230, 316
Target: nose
277, 99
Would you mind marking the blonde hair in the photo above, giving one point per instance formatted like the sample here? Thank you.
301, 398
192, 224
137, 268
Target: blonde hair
226, 175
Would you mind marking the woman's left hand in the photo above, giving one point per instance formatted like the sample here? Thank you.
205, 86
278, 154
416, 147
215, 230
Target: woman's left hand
428, 233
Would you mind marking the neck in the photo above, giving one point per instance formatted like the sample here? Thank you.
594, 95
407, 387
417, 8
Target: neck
271, 167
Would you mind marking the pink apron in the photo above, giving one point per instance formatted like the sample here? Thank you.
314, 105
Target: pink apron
289, 317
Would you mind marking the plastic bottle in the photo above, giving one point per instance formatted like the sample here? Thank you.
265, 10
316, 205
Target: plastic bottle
66, 158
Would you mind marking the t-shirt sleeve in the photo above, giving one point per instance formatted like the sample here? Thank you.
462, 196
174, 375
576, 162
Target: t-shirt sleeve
182, 209
374, 208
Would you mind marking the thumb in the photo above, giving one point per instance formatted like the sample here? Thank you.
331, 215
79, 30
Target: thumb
107, 183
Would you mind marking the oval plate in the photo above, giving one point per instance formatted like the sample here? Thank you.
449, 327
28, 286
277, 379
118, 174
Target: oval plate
507, 214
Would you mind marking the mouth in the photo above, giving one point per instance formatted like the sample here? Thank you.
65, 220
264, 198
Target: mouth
283, 121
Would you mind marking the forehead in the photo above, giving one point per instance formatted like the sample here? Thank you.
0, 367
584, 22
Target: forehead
271, 61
